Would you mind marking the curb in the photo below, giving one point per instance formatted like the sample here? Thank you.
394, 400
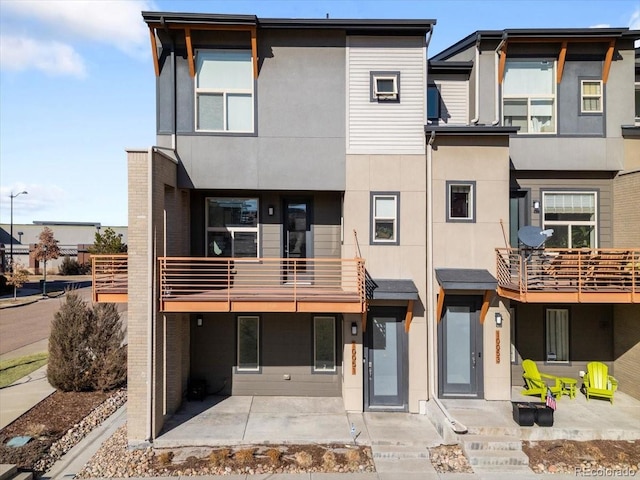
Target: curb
30, 301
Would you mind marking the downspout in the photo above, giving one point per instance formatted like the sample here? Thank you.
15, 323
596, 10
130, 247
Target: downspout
150, 297
476, 66
497, 84
456, 426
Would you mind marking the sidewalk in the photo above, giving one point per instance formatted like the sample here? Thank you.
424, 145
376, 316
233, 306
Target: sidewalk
21, 396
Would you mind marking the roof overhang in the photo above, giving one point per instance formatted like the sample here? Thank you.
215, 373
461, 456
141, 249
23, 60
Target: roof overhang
473, 130
630, 131
466, 280
387, 290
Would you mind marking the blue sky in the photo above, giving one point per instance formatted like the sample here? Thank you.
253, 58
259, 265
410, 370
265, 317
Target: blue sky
77, 83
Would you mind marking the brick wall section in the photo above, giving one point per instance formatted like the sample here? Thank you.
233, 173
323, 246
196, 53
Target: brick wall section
167, 219
626, 348
626, 214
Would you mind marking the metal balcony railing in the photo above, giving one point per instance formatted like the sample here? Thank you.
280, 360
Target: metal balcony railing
109, 278
580, 275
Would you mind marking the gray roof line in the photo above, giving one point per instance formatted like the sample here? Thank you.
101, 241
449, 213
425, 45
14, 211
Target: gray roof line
471, 130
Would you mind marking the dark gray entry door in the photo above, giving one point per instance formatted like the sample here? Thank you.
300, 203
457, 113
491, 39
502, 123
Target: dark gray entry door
385, 360
460, 348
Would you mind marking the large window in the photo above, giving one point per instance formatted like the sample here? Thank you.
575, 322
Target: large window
248, 344
384, 221
232, 227
324, 344
461, 201
573, 218
557, 335
528, 96
591, 96
224, 91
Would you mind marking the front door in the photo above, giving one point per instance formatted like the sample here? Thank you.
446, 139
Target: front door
385, 360
460, 348
298, 243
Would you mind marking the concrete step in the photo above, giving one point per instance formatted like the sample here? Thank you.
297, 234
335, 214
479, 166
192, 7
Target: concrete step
510, 472
23, 476
399, 452
484, 442
486, 458
7, 471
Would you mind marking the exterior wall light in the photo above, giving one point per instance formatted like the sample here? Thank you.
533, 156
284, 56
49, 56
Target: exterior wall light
199, 320
354, 328
270, 210
536, 206
498, 320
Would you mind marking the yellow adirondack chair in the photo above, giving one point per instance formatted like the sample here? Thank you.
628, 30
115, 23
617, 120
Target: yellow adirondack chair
598, 382
535, 382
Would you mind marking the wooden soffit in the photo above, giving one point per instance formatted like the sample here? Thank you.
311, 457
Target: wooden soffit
188, 29
562, 53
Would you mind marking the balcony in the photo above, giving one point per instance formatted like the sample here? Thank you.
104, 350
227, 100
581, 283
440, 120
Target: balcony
569, 276
109, 278
196, 284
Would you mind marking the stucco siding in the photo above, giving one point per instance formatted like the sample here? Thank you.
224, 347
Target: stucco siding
386, 127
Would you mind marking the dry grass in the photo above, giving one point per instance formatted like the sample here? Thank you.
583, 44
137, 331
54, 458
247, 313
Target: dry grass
165, 458
244, 456
218, 458
275, 456
329, 460
353, 457
35, 430
304, 459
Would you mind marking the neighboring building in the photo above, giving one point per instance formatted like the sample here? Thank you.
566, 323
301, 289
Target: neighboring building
73, 237
309, 224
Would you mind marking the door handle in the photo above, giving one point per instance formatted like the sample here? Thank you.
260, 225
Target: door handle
473, 358
370, 369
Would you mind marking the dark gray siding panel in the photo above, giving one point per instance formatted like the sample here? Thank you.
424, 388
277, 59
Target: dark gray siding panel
185, 96
164, 98
570, 120
286, 348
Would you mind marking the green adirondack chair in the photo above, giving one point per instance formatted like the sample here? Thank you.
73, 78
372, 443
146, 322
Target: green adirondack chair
536, 382
598, 382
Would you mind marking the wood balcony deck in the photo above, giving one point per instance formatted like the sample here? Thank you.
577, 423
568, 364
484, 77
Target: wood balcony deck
199, 284
569, 275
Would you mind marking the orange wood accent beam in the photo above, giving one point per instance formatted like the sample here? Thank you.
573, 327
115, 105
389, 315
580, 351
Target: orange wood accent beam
486, 301
190, 58
409, 316
561, 58
607, 61
154, 51
501, 65
254, 51
440, 305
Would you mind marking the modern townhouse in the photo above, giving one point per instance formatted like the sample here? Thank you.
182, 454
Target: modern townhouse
572, 167
322, 208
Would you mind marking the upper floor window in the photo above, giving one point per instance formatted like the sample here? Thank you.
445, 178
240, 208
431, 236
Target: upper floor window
573, 218
385, 86
224, 91
384, 222
461, 201
433, 102
529, 97
232, 227
591, 96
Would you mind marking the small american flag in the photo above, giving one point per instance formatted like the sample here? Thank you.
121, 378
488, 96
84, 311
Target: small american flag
551, 401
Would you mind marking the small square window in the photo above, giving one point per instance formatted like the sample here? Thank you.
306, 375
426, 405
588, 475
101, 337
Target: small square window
385, 86
461, 201
591, 96
384, 218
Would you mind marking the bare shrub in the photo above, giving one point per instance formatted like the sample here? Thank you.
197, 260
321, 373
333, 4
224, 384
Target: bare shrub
353, 457
304, 459
165, 458
275, 456
218, 458
329, 460
244, 456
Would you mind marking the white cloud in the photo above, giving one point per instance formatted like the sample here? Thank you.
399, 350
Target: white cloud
601, 25
634, 21
112, 22
54, 58
43, 201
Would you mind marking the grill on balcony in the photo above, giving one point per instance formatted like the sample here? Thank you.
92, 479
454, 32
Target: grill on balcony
569, 275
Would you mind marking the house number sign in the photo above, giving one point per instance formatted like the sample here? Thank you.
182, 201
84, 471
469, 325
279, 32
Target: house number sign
353, 358
497, 346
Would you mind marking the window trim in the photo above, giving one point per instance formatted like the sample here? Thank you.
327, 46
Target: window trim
382, 97
232, 230
372, 218
529, 98
197, 90
583, 96
550, 224
636, 105
546, 336
472, 198
238, 368
329, 371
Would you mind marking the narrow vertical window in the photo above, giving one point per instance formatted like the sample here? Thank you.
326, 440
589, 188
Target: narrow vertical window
324, 344
460, 201
557, 333
384, 221
248, 344
591, 96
